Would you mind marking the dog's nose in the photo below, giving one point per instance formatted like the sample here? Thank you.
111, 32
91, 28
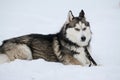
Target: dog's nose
83, 38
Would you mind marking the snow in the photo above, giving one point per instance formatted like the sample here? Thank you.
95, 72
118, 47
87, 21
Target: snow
20, 17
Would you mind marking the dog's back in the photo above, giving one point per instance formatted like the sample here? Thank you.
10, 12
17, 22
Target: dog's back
29, 47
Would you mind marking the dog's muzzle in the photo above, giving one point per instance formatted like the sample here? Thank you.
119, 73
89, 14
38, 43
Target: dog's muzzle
83, 38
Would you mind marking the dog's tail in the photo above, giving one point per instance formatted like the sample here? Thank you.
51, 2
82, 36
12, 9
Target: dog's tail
3, 57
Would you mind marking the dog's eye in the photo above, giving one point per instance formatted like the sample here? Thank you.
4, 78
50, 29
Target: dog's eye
84, 29
77, 29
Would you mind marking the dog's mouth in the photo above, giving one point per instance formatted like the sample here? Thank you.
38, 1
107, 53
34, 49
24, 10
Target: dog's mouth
84, 42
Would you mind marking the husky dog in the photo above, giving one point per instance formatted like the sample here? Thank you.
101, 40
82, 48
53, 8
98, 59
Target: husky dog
69, 46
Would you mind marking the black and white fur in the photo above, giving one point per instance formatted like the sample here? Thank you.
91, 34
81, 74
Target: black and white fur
76, 37
69, 46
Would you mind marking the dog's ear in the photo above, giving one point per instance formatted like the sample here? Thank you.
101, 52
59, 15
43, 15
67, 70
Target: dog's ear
70, 16
82, 14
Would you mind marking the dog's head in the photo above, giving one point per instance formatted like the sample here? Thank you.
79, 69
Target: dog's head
77, 29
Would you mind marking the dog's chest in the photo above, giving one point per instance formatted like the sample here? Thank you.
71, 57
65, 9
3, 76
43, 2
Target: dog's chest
81, 57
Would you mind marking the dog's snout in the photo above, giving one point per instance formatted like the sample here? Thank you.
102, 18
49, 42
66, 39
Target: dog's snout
83, 38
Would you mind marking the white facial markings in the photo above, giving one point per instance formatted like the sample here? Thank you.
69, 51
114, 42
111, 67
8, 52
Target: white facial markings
74, 34
80, 25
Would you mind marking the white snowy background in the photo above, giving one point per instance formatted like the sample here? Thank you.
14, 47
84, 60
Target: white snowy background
20, 17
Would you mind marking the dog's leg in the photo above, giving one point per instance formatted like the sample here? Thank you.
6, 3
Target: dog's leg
89, 57
68, 59
65, 58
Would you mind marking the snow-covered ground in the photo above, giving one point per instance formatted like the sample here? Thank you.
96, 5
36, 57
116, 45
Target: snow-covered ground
20, 17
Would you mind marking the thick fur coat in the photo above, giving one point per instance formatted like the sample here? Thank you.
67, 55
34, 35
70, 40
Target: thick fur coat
69, 46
